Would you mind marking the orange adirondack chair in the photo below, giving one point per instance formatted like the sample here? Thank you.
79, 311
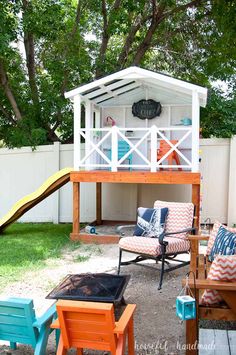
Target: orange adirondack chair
163, 149
92, 325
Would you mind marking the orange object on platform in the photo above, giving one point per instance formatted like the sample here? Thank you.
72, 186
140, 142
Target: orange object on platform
164, 148
92, 325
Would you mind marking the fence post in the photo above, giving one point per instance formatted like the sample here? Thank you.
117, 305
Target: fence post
56, 195
232, 185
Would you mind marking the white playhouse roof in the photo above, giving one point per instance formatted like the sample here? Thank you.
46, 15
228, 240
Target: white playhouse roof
133, 84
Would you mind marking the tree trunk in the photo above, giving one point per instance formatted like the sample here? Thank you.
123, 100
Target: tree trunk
105, 36
7, 114
158, 16
105, 39
29, 50
140, 21
8, 92
145, 45
30, 60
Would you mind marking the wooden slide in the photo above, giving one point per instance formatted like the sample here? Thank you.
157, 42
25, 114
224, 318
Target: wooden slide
53, 183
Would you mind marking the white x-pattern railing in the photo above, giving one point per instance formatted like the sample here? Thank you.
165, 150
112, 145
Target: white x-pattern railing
114, 134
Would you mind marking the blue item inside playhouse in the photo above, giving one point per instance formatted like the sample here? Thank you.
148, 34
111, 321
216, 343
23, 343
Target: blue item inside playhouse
186, 121
123, 148
186, 307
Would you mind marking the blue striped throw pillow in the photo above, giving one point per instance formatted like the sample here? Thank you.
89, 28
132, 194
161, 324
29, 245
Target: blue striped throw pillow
151, 222
225, 243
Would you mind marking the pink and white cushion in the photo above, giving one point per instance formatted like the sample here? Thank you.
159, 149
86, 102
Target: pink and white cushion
213, 235
151, 246
223, 268
180, 216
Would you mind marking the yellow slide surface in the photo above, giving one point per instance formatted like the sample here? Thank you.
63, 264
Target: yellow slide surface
52, 184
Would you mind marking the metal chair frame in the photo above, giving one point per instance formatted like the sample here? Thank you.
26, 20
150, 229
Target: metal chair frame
163, 257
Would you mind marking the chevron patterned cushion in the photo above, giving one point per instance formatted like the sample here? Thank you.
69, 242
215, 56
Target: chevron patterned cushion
150, 222
213, 235
151, 246
223, 268
180, 216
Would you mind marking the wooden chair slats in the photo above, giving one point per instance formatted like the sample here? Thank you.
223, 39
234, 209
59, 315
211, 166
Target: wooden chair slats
18, 324
92, 325
225, 311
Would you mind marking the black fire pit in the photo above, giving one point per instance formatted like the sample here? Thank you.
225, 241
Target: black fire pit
91, 287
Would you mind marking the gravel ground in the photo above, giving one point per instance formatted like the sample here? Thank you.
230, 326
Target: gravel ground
157, 329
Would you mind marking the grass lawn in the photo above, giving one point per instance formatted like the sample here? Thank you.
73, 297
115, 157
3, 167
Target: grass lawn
27, 246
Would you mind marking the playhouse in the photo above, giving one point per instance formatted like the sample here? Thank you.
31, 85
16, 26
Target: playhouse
135, 126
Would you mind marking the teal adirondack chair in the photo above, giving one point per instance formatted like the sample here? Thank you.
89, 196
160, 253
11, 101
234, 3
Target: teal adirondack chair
123, 148
18, 324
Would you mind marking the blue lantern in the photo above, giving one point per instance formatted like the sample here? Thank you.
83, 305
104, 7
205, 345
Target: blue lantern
186, 307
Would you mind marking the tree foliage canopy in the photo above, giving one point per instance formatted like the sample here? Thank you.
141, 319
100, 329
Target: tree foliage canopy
218, 119
51, 46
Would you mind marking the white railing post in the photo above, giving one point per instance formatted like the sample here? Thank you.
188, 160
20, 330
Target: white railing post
153, 149
77, 126
114, 148
195, 131
88, 121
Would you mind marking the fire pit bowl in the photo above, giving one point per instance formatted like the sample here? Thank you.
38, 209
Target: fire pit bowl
99, 287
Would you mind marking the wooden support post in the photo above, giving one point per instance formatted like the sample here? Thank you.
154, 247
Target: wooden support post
76, 207
99, 203
196, 202
194, 252
192, 325
192, 333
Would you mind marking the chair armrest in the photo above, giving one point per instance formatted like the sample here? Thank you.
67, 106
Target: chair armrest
163, 235
123, 322
198, 237
55, 324
49, 314
212, 285
119, 229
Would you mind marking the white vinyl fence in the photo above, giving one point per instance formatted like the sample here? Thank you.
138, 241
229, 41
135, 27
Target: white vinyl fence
23, 170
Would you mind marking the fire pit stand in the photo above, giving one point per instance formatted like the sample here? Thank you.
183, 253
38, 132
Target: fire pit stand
99, 287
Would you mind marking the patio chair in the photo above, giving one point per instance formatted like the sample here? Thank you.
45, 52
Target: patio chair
18, 324
172, 242
92, 325
123, 148
173, 156
224, 307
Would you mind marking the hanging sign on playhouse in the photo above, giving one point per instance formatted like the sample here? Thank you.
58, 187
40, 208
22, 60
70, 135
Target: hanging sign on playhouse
146, 109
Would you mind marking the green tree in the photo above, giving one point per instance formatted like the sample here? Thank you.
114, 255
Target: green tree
218, 117
51, 46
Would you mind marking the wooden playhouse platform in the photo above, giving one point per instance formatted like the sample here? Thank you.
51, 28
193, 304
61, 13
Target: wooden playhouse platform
126, 177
